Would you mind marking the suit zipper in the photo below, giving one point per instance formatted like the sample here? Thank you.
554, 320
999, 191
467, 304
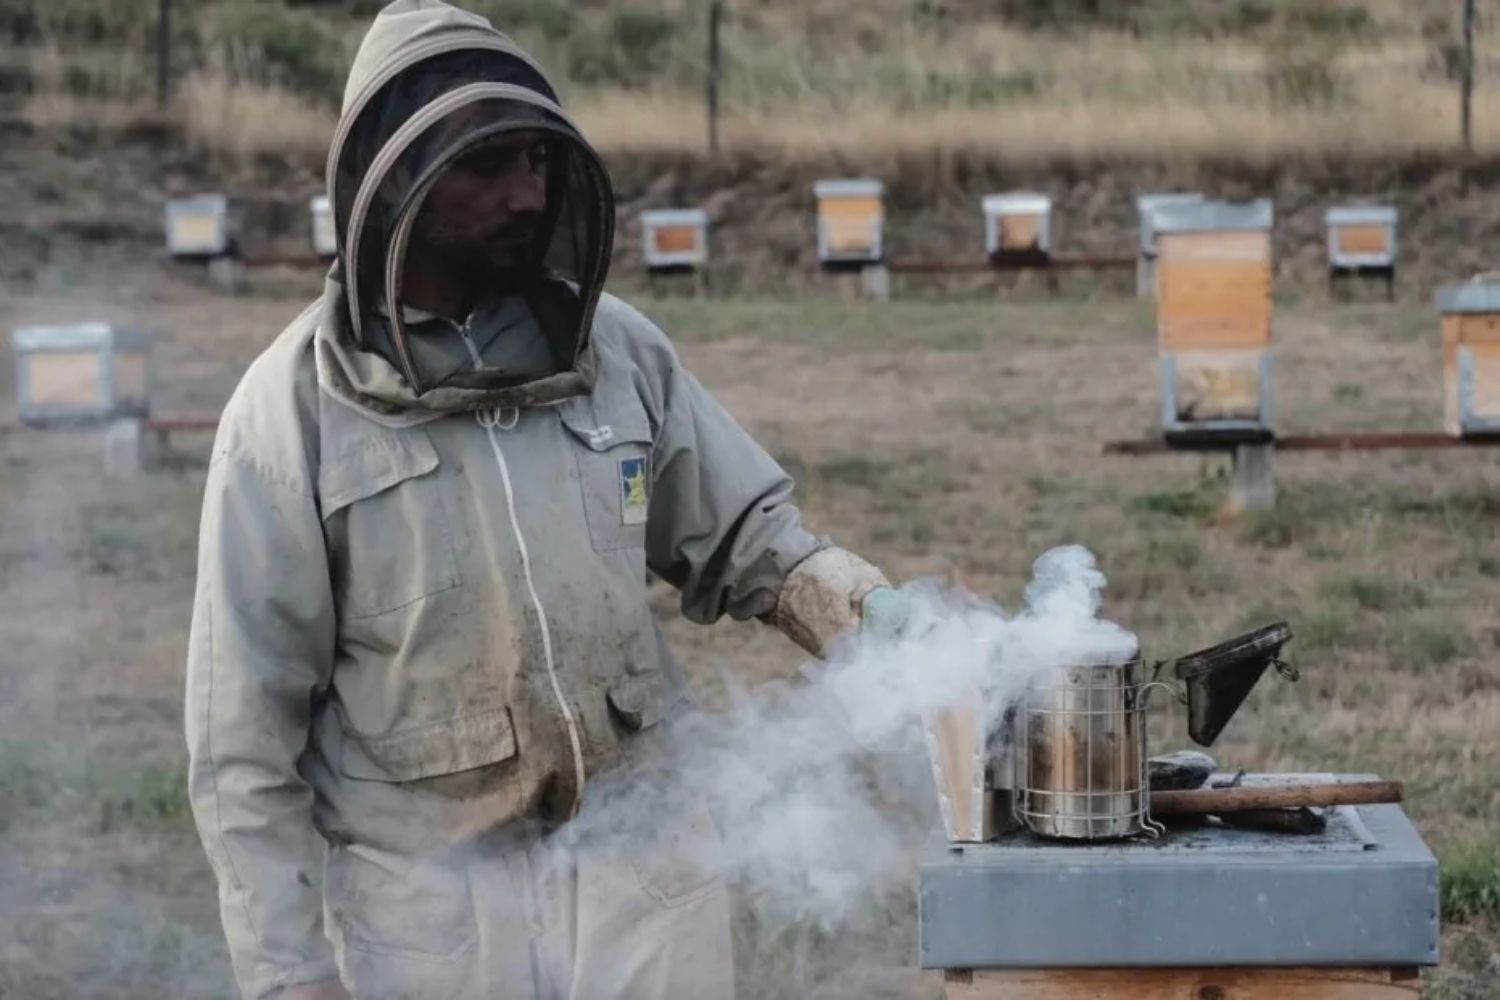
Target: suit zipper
493, 423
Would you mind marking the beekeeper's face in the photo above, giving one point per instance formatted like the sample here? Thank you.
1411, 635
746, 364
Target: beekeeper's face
490, 202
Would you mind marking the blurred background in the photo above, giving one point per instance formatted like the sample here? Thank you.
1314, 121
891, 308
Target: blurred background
952, 431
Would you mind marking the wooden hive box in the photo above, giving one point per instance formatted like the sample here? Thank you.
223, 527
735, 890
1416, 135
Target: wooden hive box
1361, 237
1146, 206
325, 240
851, 222
202, 226
1213, 287
81, 372
1471, 357
1018, 223
674, 239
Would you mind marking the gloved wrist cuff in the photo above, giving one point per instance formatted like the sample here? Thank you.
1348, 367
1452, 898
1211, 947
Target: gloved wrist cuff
821, 598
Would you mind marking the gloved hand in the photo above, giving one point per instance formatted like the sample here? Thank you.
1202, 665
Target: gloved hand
887, 613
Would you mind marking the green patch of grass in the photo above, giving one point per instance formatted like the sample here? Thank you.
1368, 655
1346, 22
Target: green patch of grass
1270, 529
1433, 643
1469, 880
1187, 504
105, 794
856, 470
1378, 593
114, 539
1348, 392
23, 786
134, 795
1324, 628
1179, 552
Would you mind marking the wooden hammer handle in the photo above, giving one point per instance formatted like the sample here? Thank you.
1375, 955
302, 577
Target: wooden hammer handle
1222, 800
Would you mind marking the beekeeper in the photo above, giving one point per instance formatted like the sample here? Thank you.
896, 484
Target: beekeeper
421, 628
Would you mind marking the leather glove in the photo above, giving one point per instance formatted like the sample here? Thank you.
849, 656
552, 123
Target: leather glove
823, 598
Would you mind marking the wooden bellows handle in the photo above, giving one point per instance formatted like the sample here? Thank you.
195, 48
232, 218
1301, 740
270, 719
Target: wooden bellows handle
1222, 800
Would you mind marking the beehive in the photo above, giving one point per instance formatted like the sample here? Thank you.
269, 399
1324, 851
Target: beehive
851, 222
1213, 286
201, 226
325, 239
1471, 356
1146, 205
1018, 223
1361, 237
81, 372
674, 239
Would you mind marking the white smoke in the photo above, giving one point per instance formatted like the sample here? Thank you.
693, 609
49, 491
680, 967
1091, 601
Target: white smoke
822, 789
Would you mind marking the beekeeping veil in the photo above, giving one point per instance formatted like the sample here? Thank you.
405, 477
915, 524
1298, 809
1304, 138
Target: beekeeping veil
429, 84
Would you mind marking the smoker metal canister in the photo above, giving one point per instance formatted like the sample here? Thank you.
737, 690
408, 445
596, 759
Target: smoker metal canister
1080, 753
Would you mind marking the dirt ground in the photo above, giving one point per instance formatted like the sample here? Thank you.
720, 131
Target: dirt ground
937, 435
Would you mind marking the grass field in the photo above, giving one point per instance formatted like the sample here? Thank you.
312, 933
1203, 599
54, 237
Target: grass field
938, 437
872, 81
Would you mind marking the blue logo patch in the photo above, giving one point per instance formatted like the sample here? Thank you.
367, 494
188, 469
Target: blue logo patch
633, 497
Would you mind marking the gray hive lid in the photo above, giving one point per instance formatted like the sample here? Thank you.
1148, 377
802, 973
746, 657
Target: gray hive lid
1481, 295
854, 187
1358, 215
1207, 216
674, 217
79, 337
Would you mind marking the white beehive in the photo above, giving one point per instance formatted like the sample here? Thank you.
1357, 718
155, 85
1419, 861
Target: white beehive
201, 226
1019, 222
1146, 206
1361, 236
325, 239
81, 372
1471, 356
674, 239
851, 221
1213, 290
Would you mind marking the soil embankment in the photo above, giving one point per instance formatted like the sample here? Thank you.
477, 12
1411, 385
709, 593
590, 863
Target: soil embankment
76, 198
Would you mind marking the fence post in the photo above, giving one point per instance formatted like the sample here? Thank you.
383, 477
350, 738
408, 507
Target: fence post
1468, 76
163, 53
715, 16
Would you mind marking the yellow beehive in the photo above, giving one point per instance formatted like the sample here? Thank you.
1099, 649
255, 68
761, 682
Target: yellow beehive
86, 371
1213, 287
1471, 356
1361, 237
674, 239
851, 221
1017, 223
202, 226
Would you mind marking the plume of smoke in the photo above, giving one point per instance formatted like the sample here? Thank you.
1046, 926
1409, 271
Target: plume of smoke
822, 788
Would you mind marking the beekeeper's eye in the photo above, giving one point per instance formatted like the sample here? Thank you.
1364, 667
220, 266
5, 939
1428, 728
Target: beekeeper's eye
536, 157
497, 160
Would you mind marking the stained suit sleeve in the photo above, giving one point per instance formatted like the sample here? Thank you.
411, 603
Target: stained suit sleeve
721, 526
260, 647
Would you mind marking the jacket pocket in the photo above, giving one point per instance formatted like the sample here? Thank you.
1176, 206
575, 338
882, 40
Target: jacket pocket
614, 472
384, 511
393, 908
429, 750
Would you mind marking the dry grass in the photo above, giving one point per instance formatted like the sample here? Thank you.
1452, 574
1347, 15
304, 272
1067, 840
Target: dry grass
1088, 97
885, 81
242, 118
933, 436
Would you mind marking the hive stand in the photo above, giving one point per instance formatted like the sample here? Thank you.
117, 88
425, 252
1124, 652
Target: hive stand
1471, 374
